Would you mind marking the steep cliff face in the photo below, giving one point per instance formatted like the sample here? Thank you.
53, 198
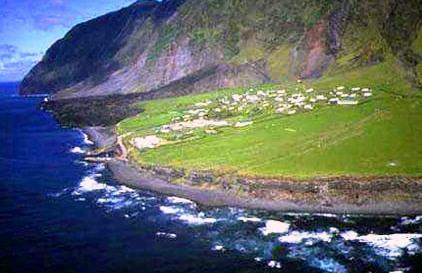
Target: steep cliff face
88, 50
184, 46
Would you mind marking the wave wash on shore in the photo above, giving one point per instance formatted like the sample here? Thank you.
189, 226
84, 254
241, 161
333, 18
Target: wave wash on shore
327, 242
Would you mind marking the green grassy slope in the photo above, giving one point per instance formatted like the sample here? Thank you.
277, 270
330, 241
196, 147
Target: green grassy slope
417, 48
379, 136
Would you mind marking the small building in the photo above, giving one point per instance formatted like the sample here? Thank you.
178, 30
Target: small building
321, 98
203, 104
348, 102
281, 110
236, 97
240, 124
333, 101
261, 93
252, 98
308, 107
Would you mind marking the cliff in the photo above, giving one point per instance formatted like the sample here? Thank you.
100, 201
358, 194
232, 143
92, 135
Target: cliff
187, 46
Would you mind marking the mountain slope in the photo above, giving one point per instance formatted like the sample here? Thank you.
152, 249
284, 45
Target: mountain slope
218, 43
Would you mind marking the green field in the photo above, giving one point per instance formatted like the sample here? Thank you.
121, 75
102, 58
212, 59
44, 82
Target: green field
380, 136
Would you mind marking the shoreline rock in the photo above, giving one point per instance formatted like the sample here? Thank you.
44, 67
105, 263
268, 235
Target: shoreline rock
102, 137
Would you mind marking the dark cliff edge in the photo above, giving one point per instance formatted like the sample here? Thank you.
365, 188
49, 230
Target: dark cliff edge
342, 195
154, 49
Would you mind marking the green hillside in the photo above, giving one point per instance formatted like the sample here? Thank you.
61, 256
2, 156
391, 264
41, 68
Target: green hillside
378, 136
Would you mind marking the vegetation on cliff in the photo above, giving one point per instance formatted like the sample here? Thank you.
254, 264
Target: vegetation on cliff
153, 45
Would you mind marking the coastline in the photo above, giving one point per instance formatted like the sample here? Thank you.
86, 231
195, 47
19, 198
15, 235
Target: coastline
296, 197
102, 137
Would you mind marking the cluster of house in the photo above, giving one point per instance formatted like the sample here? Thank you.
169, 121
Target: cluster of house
211, 114
279, 101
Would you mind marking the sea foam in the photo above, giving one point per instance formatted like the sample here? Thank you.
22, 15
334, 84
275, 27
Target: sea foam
297, 237
248, 219
187, 216
86, 140
169, 210
273, 226
274, 264
218, 248
178, 200
77, 150
88, 183
411, 221
166, 235
198, 219
391, 245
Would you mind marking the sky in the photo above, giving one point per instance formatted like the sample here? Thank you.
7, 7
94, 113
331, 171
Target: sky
29, 27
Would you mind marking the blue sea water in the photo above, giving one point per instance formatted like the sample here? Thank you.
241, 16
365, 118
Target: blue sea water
60, 214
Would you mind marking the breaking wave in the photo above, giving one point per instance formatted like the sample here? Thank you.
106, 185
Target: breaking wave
329, 243
77, 150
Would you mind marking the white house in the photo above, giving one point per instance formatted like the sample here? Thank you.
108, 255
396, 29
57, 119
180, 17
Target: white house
347, 102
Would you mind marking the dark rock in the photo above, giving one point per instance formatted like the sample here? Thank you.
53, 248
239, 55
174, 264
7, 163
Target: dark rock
201, 177
169, 173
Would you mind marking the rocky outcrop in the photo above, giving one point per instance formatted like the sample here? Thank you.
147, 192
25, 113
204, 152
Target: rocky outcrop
311, 57
320, 44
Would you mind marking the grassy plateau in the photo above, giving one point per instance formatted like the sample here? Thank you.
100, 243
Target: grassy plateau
380, 136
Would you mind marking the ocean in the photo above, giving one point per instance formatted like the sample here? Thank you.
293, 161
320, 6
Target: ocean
61, 214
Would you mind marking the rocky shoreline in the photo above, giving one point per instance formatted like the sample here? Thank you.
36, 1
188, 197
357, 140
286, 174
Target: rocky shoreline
338, 195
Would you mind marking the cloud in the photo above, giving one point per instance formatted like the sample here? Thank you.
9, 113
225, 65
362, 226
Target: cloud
36, 24
29, 54
7, 51
46, 22
15, 71
14, 64
53, 13
57, 3
17, 67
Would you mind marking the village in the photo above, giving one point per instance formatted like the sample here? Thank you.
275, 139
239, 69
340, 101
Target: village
240, 110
